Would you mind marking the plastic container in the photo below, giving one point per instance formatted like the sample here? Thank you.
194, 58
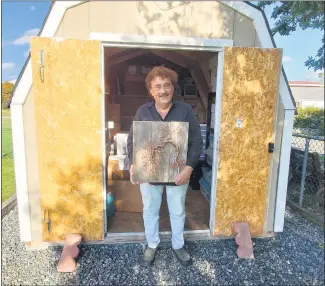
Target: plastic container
205, 169
205, 189
110, 204
208, 176
203, 126
205, 184
211, 138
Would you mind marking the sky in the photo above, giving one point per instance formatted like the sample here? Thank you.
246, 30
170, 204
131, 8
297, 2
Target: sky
20, 20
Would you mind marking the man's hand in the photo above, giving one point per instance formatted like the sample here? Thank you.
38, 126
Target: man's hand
184, 176
131, 176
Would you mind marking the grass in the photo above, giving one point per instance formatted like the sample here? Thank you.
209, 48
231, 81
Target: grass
7, 175
5, 112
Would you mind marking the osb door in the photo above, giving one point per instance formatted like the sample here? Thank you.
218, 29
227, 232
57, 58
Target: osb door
67, 98
249, 98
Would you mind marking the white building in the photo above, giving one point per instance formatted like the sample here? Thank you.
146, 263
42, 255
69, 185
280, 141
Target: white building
307, 93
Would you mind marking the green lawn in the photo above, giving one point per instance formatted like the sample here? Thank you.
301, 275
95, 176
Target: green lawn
7, 176
5, 112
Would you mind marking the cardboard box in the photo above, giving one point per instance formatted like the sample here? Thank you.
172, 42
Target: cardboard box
127, 196
114, 172
121, 143
117, 128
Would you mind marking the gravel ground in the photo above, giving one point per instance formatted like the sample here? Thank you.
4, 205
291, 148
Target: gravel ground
294, 257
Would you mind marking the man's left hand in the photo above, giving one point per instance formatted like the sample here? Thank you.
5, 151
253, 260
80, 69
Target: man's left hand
184, 176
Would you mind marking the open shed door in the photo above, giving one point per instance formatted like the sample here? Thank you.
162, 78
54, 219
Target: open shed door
246, 105
67, 97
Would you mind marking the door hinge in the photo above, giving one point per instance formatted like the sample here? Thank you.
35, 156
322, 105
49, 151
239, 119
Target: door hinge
47, 219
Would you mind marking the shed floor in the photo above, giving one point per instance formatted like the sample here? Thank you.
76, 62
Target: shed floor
197, 216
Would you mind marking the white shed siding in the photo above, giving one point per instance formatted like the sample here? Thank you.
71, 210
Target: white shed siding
202, 19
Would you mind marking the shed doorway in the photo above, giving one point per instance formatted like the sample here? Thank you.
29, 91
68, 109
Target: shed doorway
125, 70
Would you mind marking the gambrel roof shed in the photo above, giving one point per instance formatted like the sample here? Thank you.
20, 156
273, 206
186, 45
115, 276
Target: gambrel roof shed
150, 24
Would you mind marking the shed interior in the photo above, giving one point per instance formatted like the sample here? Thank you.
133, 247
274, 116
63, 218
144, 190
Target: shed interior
124, 72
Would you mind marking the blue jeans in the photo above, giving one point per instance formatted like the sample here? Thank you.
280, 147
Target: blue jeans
151, 199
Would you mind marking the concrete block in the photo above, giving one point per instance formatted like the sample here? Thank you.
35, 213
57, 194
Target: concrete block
243, 240
70, 251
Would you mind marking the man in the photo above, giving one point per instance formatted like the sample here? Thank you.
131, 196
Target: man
160, 82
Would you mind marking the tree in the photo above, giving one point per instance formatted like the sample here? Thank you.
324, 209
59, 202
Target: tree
321, 77
7, 89
304, 14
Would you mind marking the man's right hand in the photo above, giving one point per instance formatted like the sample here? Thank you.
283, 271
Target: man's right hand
131, 176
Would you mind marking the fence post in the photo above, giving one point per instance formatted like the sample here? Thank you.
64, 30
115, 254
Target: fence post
304, 169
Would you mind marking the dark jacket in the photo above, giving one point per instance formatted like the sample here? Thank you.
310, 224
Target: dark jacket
179, 111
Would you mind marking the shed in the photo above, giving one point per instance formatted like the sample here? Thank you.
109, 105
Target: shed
87, 68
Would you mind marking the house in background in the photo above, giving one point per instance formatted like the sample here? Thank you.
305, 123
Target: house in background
307, 93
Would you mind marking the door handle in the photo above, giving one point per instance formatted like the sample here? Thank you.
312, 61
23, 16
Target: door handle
271, 148
41, 66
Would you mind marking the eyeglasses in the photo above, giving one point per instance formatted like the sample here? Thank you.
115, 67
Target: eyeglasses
166, 86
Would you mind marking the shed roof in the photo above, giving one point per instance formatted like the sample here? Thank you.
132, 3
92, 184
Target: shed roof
236, 6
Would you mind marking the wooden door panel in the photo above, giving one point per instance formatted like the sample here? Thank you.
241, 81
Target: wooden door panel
68, 131
249, 93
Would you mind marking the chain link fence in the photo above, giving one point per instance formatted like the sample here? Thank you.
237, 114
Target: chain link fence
306, 174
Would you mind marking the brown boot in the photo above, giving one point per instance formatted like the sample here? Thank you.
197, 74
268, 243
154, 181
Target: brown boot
183, 256
148, 257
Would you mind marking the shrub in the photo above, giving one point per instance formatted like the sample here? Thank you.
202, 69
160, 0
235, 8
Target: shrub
310, 118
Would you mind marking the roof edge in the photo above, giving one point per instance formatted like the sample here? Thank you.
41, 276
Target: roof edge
246, 2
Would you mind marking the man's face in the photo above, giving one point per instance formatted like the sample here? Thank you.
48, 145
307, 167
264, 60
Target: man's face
162, 90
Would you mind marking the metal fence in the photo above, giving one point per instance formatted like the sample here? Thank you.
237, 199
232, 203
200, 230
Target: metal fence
306, 175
